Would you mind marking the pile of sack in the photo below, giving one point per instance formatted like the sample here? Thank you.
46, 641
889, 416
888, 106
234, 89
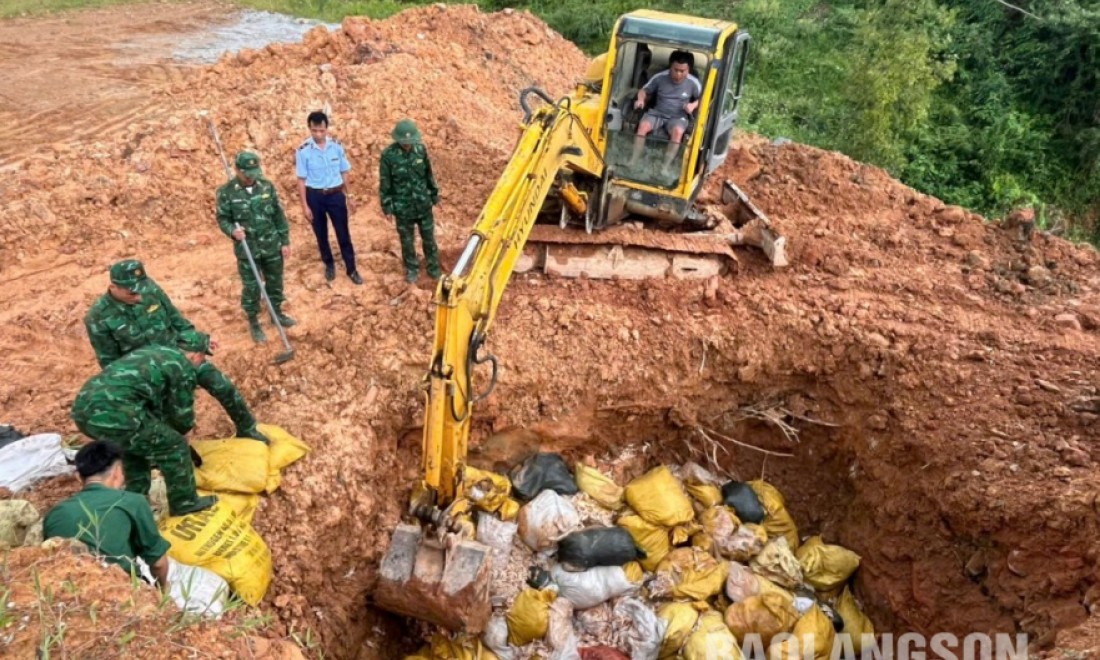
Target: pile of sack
688, 567
217, 550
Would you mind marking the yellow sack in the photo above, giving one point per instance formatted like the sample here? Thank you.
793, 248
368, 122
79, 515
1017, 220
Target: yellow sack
217, 540
711, 639
812, 637
778, 521
681, 618
659, 498
825, 566
721, 524
236, 465
706, 494
856, 623
703, 541
599, 487
530, 615
747, 542
283, 450
766, 586
766, 615
741, 583
487, 491
462, 647
634, 571
509, 510
777, 563
244, 505
681, 534
689, 573
650, 538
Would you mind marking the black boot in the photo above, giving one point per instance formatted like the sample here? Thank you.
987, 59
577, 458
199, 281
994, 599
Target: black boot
197, 504
285, 320
257, 332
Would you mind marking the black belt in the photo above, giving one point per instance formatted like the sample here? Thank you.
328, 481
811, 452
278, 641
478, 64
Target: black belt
328, 191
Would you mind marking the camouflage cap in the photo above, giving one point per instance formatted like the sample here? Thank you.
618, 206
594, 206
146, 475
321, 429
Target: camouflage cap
193, 341
406, 132
128, 274
248, 164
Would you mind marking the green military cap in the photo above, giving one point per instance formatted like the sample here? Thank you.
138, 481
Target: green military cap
193, 341
249, 164
128, 274
406, 132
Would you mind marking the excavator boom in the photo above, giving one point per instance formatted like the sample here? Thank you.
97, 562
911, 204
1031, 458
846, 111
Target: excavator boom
444, 578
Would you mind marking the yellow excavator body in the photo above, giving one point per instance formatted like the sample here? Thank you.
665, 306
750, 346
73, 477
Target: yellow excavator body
576, 161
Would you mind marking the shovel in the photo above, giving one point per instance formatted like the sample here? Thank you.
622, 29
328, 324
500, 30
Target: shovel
288, 354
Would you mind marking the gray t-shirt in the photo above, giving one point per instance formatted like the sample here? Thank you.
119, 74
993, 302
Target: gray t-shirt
671, 96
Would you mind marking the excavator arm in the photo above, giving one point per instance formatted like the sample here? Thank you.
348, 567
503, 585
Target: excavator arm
553, 139
443, 576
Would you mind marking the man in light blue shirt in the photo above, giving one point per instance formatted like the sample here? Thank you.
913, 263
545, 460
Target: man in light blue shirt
322, 166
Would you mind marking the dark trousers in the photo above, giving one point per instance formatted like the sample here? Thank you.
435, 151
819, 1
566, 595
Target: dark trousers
334, 206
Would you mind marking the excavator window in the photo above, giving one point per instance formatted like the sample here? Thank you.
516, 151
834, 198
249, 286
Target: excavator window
636, 64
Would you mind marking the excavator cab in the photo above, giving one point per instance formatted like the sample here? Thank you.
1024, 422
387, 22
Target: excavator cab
671, 173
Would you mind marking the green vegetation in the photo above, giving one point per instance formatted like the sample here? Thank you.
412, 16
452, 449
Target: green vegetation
977, 102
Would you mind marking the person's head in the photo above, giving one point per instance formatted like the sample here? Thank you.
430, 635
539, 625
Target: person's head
100, 462
679, 65
406, 134
195, 345
318, 126
127, 281
248, 168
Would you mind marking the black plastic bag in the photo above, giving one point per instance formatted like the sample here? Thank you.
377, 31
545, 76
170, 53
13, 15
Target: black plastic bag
743, 500
598, 546
540, 472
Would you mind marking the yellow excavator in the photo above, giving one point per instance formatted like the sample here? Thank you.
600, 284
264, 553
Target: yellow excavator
578, 160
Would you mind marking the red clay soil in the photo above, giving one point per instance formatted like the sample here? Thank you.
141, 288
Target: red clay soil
953, 362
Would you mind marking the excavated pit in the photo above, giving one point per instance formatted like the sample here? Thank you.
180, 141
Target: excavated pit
949, 364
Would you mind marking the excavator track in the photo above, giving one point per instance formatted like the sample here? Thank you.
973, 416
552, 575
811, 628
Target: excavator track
626, 252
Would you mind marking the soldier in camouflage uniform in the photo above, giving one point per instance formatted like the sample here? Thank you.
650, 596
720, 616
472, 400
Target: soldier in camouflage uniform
135, 312
249, 200
409, 192
144, 403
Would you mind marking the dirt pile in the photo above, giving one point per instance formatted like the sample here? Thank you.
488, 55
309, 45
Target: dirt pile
947, 367
456, 71
60, 600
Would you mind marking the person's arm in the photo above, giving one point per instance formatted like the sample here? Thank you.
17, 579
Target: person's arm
302, 172
279, 219
146, 541
432, 187
106, 348
385, 185
225, 215
159, 569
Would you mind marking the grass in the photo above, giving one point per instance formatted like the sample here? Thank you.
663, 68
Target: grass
325, 10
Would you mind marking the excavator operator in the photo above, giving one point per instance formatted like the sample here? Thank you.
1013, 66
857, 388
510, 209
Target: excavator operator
678, 93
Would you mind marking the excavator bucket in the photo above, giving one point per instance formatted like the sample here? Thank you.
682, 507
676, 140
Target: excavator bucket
442, 582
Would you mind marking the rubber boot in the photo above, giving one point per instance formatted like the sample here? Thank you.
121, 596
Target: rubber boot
197, 504
255, 434
257, 332
285, 320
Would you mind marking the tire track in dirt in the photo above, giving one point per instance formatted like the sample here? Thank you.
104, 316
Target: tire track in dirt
87, 75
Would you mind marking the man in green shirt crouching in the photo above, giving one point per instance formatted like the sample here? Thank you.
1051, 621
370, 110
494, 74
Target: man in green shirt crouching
115, 524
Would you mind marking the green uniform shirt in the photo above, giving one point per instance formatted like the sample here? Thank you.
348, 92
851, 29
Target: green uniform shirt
113, 523
156, 381
407, 188
116, 328
258, 212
